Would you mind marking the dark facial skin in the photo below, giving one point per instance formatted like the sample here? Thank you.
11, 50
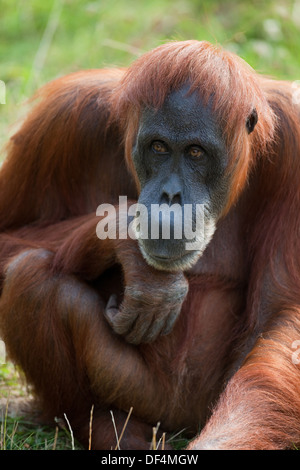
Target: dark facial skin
180, 158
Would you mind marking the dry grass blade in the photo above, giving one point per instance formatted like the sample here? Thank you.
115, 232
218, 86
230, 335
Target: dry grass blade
154, 434
55, 438
162, 441
123, 430
71, 431
115, 429
3, 427
90, 427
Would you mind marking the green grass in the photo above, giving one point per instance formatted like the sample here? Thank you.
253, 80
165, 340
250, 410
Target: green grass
41, 40
21, 432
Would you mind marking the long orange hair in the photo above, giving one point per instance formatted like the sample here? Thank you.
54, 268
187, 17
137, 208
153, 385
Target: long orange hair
220, 77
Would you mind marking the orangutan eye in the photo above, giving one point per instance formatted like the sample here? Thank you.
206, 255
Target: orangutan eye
159, 147
195, 151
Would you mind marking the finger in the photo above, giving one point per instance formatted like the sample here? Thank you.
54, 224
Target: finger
170, 322
111, 309
141, 325
119, 320
125, 319
155, 329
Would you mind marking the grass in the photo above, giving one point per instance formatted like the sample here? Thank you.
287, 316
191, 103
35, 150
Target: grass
19, 432
22, 433
42, 40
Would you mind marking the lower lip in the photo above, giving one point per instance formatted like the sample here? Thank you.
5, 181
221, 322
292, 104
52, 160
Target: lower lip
167, 259
163, 258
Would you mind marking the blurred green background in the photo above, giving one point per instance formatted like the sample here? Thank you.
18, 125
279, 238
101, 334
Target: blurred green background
43, 39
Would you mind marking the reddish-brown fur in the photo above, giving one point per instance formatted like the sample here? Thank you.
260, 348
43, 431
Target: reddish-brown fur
227, 364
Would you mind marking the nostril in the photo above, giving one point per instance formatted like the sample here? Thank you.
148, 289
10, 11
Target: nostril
176, 199
169, 198
164, 198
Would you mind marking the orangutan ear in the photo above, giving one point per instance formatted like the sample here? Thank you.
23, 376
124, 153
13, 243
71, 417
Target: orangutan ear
251, 121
